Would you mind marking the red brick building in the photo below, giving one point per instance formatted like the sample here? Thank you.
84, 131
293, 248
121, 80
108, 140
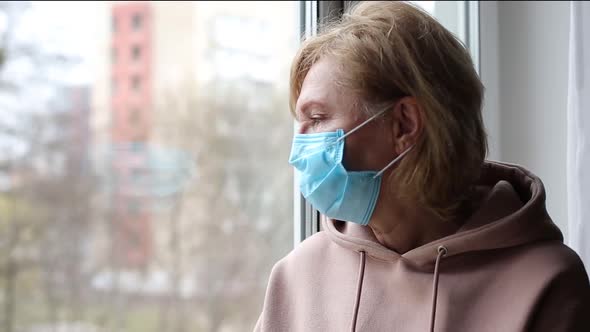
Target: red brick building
131, 103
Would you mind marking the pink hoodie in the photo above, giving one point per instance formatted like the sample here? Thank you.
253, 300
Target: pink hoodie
505, 270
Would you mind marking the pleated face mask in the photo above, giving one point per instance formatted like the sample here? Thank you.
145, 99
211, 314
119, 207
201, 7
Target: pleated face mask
331, 189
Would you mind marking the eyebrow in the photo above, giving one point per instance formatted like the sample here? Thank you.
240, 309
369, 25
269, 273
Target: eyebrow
309, 103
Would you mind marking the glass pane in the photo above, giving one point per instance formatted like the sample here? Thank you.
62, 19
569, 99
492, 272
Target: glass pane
144, 183
451, 14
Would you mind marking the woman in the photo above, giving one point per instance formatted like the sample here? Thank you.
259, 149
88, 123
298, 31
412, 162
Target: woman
421, 233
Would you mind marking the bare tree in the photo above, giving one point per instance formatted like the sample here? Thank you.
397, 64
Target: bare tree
44, 195
236, 220
47, 214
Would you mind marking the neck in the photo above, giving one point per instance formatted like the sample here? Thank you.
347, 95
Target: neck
402, 226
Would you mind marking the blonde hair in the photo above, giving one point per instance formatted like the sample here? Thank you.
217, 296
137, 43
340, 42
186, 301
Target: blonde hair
393, 49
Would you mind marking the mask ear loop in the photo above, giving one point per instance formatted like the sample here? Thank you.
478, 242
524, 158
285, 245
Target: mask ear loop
393, 162
361, 125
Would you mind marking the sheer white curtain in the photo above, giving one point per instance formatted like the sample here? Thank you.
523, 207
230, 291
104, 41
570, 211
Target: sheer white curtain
578, 153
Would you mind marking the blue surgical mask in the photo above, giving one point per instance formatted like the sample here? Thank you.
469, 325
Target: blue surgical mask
327, 185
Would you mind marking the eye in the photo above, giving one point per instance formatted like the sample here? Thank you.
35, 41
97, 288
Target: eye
316, 119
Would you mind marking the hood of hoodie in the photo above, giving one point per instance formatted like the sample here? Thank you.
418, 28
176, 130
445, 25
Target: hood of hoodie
511, 213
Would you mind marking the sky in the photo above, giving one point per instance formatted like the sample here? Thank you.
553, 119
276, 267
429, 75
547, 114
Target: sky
68, 27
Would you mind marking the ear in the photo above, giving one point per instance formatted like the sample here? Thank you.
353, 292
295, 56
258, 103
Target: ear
408, 123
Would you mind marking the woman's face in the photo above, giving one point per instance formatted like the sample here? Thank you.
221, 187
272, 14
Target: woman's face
323, 106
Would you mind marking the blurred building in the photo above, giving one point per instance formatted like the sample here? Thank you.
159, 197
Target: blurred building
153, 57
132, 27
143, 47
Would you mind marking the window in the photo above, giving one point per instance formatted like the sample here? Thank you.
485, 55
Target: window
114, 56
133, 207
114, 24
460, 17
136, 22
154, 234
136, 146
135, 53
134, 117
136, 175
113, 86
136, 83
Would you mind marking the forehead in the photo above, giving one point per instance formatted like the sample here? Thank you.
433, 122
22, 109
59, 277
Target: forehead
320, 86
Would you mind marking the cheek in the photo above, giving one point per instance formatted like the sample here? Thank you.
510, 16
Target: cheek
337, 121
368, 149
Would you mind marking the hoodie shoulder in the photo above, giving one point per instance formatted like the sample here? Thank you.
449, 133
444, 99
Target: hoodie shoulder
304, 259
566, 295
306, 251
556, 257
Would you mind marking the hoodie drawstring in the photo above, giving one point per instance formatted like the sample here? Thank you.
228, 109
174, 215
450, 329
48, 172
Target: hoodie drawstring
441, 252
359, 289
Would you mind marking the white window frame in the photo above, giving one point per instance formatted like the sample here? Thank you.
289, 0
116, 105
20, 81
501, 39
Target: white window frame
306, 218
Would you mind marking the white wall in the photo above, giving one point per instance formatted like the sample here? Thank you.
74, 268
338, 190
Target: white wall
526, 80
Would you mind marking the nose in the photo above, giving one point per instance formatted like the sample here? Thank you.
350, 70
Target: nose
301, 129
